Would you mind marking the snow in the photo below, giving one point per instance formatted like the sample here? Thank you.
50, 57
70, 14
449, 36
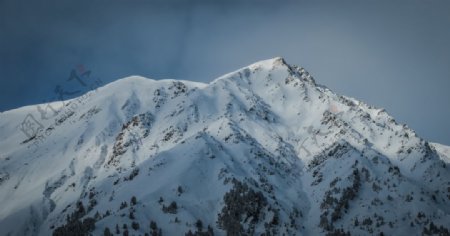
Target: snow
268, 125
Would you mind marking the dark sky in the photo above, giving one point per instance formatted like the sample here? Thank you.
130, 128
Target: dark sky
391, 54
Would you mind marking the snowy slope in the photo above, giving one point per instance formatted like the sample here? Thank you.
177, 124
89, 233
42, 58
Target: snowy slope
260, 150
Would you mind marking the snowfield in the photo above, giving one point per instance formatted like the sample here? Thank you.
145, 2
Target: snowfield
263, 150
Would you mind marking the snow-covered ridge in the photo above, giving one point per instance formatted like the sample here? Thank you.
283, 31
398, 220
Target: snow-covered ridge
263, 149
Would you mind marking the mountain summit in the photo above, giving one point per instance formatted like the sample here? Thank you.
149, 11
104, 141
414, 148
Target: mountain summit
263, 150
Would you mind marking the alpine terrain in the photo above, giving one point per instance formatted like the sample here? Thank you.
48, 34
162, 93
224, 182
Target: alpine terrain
263, 150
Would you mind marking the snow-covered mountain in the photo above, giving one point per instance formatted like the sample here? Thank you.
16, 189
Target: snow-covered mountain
263, 150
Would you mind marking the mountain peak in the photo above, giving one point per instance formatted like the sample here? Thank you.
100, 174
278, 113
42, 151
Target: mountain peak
279, 60
261, 150
269, 63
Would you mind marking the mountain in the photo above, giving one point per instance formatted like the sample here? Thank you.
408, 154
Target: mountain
263, 150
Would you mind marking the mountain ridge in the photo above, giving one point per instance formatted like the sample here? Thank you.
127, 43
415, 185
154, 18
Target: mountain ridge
316, 162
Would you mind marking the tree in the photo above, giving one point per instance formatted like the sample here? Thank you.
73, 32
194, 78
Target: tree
172, 208
107, 232
199, 225
153, 225
97, 216
80, 210
189, 233
135, 225
123, 205
133, 201
76, 227
210, 230
241, 201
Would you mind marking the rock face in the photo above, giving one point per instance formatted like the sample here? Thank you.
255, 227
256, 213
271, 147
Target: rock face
262, 150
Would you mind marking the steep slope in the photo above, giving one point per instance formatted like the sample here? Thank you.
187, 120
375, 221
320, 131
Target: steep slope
260, 150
